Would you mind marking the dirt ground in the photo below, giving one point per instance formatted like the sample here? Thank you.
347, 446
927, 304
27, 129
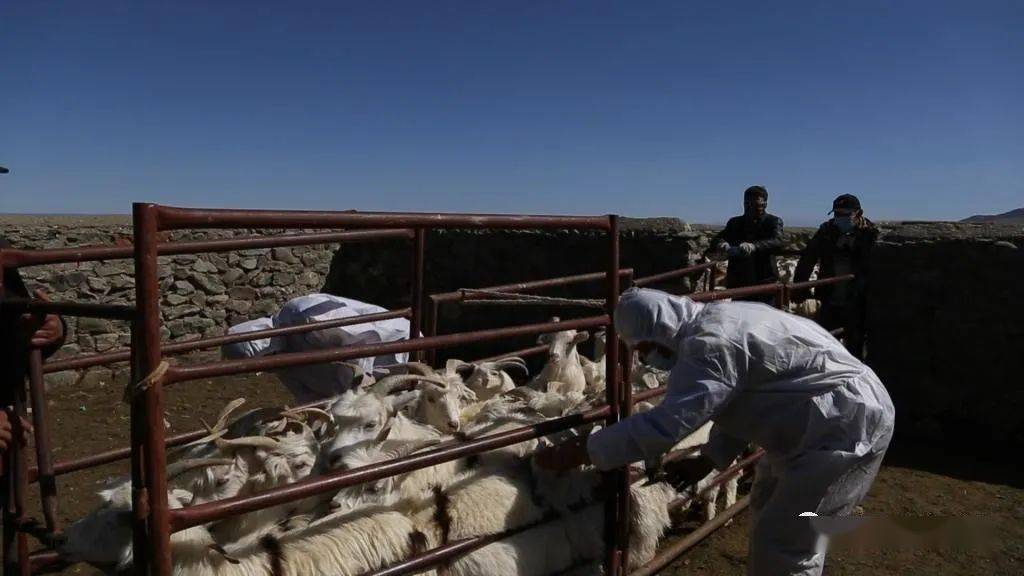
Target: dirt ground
913, 483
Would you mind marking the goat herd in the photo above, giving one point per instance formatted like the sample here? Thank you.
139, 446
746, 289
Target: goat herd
392, 413
557, 518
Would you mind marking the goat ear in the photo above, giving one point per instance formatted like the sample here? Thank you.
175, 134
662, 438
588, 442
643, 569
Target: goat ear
465, 370
183, 496
580, 337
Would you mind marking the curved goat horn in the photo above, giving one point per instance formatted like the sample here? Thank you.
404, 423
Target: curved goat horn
222, 418
314, 415
385, 385
420, 368
178, 468
409, 446
513, 362
246, 442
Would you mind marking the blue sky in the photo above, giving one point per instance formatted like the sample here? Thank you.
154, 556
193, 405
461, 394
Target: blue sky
637, 108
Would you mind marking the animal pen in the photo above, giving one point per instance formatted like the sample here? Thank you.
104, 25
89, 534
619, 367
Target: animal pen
153, 521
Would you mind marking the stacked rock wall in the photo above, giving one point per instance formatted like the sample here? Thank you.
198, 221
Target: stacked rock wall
946, 314
202, 294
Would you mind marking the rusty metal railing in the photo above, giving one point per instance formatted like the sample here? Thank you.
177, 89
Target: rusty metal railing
18, 476
153, 526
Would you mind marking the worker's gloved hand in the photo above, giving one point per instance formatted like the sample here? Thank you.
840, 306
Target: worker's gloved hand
747, 248
564, 456
722, 247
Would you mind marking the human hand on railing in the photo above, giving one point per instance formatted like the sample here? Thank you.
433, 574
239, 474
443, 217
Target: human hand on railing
46, 331
564, 456
7, 431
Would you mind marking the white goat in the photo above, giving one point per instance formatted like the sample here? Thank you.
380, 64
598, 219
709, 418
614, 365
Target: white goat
490, 379
594, 370
692, 442
563, 363
338, 544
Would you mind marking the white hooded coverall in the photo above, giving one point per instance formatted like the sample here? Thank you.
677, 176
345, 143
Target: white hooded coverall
318, 381
772, 379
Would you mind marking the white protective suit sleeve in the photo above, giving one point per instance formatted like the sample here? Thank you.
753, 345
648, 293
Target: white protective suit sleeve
704, 378
697, 388
252, 348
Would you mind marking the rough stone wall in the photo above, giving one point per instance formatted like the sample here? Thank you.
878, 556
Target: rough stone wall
201, 294
947, 332
946, 314
470, 259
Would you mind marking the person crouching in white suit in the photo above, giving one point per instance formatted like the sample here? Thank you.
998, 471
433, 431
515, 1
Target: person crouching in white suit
764, 377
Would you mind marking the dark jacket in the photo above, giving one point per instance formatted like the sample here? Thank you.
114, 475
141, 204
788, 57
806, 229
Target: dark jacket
766, 236
14, 287
824, 248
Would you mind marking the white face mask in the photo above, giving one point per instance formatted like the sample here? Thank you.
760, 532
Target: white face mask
844, 223
658, 358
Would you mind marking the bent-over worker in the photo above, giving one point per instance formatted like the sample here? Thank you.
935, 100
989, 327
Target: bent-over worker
764, 377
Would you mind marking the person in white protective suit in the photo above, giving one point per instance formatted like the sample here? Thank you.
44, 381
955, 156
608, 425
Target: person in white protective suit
765, 377
320, 381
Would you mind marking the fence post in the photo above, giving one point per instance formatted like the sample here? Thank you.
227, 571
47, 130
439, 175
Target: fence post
147, 301
41, 423
613, 393
418, 249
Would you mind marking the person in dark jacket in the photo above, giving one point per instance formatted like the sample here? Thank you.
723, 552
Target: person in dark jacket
841, 246
45, 333
751, 242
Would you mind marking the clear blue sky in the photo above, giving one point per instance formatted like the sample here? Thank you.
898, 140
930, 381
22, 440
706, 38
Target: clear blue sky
638, 108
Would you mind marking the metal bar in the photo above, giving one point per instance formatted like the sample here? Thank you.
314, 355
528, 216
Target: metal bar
435, 311
416, 287
458, 295
90, 310
20, 257
734, 293
20, 462
147, 296
183, 518
137, 465
191, 345
229, 367
821, 282
523, 352
94, 460
46, 561
41, 423
624, 526
722, 477
672, 274
613, 393
669, 555
172, 218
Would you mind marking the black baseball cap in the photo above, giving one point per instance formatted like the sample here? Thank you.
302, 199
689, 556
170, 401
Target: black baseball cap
845, 202
3, 170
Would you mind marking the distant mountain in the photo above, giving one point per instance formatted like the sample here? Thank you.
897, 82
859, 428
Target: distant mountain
1011, 217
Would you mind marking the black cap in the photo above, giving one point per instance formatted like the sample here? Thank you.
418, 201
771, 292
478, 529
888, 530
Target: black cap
759, 191
3, 170
845, 202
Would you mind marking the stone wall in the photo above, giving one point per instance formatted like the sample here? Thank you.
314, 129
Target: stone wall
946, 314
201, 294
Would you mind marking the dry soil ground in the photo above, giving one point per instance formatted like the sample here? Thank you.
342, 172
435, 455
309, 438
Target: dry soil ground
89, 420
